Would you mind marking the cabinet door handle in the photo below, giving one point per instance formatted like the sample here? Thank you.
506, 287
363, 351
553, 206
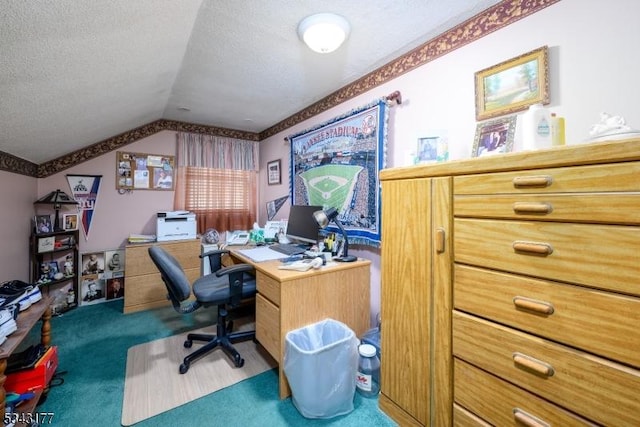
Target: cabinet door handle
532, 181
533, 364
440, 240
532, 208
542, 307
527, 419
535, 248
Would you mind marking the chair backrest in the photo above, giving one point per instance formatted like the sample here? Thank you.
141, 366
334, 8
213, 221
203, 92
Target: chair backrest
173, 276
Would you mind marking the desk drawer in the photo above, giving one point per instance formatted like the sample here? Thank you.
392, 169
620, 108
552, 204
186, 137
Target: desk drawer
268, 287
617, 177
593, 387
600, 256
615, 208
501, 404
600, 322
268, 326
150, 288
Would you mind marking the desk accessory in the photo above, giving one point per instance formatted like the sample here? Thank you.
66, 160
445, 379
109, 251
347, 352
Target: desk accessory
323, 218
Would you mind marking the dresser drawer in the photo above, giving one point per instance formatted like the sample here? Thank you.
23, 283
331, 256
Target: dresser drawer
599, 322
268, 287
617, 177
268, 326
502, 404
464, 418
600, 256
618, 208
595, 388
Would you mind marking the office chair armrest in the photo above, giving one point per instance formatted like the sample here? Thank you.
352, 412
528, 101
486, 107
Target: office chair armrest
236, 275
214, 252
215, 258
236, 268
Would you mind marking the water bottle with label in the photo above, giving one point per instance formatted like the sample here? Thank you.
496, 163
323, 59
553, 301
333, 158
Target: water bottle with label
368, 373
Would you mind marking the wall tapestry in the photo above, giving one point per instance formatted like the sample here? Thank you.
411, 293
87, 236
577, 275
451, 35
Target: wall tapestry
85, 191
336, 164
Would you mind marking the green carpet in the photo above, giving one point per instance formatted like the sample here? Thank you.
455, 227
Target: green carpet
92, 347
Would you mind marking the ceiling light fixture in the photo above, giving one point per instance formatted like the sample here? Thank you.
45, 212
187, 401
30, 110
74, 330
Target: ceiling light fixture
323, 32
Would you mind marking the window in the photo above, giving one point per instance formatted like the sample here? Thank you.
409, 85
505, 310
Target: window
223, 198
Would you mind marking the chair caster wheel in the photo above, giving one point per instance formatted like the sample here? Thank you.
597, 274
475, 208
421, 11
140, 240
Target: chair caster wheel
188, 344
184, 368
239, 361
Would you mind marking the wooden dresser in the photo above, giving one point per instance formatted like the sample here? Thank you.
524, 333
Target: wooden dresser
545, 268
143, 287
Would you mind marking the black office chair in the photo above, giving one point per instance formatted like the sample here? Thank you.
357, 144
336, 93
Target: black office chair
224, 287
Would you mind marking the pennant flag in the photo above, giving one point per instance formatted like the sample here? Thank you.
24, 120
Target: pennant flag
85, 191
273, 206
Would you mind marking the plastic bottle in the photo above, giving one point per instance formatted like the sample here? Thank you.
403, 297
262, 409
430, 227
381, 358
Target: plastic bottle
368, 374
557, 130
537, 128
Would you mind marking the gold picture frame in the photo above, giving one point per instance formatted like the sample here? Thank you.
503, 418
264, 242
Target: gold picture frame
494, 137
513, 85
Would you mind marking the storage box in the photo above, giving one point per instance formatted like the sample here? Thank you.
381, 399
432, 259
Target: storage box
37, 377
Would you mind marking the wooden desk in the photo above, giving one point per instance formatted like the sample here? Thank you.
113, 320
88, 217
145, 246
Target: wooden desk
289, 300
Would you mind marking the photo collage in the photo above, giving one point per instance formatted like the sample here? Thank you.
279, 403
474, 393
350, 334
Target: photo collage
102, 277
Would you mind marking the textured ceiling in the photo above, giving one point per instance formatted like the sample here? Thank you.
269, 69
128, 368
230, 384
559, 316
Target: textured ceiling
73, 73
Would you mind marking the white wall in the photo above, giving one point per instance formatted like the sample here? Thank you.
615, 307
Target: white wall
593, 68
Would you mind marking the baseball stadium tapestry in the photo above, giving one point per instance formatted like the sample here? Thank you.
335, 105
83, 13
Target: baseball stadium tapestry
336, 164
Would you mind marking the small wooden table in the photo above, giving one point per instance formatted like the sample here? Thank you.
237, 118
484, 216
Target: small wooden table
26, 321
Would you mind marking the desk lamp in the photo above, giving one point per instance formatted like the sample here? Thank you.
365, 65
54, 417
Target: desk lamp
57, 199
323, 218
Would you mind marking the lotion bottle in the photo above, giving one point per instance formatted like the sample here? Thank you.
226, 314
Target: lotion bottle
557, 130
536, 128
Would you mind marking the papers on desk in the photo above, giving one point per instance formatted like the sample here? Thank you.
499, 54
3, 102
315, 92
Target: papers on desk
262, 253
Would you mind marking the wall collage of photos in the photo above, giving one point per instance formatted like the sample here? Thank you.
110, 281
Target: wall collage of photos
102, 277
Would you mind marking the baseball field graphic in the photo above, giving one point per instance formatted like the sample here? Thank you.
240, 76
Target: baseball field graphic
337, 165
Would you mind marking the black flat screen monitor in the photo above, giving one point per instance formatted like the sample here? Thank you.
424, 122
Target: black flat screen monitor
302, 226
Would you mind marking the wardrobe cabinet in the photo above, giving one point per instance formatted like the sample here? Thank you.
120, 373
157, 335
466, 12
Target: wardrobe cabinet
523, 269
416, 301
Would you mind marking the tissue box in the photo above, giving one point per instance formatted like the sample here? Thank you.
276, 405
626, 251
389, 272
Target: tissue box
34, 378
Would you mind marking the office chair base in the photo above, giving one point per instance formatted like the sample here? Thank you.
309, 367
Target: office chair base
225, 342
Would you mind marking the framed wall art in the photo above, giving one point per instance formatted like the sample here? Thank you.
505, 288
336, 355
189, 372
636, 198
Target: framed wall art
513, 85
494, 137
274, 175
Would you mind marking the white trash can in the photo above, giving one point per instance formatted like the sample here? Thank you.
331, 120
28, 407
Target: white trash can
320, 363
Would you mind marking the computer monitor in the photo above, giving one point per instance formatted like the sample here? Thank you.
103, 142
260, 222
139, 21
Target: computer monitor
302, 226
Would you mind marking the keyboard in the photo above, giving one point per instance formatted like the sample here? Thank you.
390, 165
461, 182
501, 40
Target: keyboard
288, 249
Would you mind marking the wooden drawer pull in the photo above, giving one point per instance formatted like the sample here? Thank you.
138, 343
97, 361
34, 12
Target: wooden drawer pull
532, 364
532, 181
440, 240
532, 208
533, 247
542, 307
527, 419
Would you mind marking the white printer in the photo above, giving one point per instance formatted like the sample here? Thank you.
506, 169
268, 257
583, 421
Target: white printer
175, 225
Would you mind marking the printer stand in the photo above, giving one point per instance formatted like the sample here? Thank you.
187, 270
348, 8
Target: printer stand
143, 287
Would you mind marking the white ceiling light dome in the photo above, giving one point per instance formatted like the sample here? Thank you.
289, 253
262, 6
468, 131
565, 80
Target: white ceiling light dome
324, 32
